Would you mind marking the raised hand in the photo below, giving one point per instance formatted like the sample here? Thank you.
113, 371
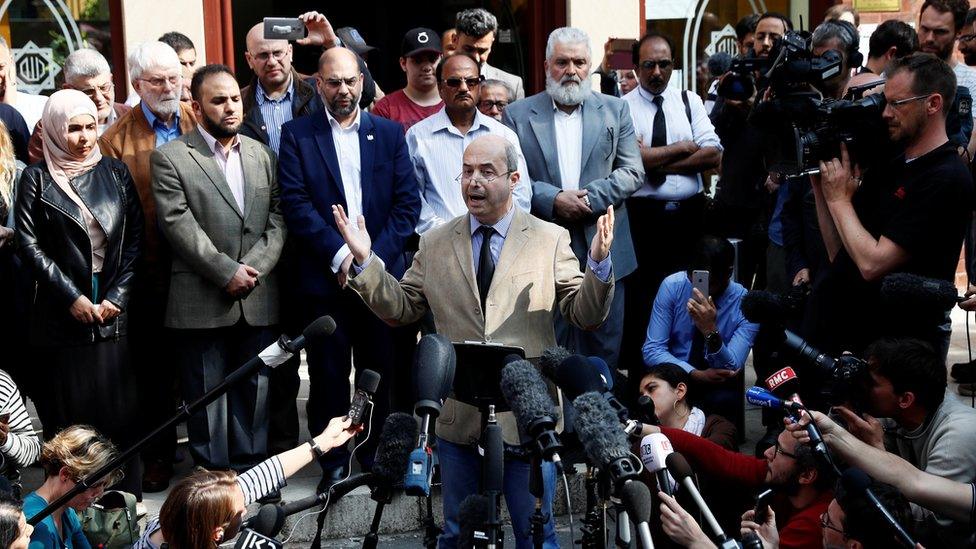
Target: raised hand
600, 247
320, 32
356, 236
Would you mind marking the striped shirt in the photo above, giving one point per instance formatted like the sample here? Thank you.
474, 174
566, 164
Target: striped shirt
275, 112
255, 483
22, 446
436, 150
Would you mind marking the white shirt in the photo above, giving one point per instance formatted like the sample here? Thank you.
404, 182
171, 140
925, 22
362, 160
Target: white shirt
569, 145
346, 142
229, 163
966, 76
437, 150
701, 131
31, 107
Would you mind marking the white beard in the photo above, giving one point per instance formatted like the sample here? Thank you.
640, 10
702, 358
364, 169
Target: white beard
566, 95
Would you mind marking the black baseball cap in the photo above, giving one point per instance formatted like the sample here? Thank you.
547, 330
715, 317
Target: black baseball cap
420, 40
353, 40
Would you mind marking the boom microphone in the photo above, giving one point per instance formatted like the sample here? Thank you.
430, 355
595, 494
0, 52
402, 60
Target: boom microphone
578, 374
603, 441
918, 293
526, 394
762, 307
267, 522
323, 325
368, 382
552, 357
392, 453
857, 481
637, 500
433, 376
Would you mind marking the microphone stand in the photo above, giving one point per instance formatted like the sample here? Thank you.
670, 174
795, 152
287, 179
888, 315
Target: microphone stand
594, 527
182, 414
372, 538
537, 489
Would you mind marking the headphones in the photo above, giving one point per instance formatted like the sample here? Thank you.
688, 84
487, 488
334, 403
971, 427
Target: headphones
854, 57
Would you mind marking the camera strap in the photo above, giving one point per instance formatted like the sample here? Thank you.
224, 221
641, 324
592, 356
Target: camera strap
684, 99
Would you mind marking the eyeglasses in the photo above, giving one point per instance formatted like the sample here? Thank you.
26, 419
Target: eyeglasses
825, 523
664, 64
482, 178
456, 82
487, 105
159, 81
780, 450
908, 100
265, 55
104, 90
336, 83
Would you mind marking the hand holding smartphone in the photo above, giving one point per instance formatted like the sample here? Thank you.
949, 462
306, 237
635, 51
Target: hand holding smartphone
699, 281
283, 28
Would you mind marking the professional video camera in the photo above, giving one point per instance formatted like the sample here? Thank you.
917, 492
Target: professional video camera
845, 373
800, 127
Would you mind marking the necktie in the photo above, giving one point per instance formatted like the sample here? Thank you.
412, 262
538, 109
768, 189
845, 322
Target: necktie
659, 137
486, 264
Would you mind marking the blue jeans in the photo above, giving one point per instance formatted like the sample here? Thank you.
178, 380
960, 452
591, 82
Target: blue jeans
460, 477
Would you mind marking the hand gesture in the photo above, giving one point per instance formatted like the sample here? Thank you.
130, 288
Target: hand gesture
802, 277
838, 180
766, 531
84, 311
320, 32
600, 248
108, 310
712, 375
572, 205
681, 526
702, 311
243, 281
356, 236
338, 432
866, 428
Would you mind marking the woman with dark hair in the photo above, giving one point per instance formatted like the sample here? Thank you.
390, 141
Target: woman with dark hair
668, 386
15, 533
79, 232
206, 508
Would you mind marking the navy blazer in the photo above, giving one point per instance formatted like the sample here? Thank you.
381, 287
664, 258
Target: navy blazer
310, 181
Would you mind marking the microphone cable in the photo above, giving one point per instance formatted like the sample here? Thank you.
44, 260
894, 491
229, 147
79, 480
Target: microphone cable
969, 346
328, 495
569, 509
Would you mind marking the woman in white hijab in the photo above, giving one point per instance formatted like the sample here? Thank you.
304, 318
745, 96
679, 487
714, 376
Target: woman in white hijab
79, 233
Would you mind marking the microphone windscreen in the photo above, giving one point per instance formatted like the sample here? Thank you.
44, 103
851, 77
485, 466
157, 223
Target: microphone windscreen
268, 521
916, 300
473, 514
434, 363
855, 480
576, 375
323, 325
678, 466
760, 307
494, 462
598, 428
551, 358
397, 439
604, 370
645, 407
369, 381
719, 63
637, 500
526, 393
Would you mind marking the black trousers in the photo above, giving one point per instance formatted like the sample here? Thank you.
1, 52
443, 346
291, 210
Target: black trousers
232, 432
664, 235
361, 338
93, 385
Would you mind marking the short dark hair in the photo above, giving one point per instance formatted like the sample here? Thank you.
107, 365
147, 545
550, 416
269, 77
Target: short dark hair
745, 26
787, 22
911, 365
863, 522
635, 49
958, 8
439, 71
203, 73
931, 75
713, 254
178, 41
895, 33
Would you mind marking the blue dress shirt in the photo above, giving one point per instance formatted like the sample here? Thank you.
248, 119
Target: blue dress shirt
275, 112
671, 329
164, 133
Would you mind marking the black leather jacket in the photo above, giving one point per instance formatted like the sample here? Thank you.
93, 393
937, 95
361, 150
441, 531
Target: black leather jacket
53, 243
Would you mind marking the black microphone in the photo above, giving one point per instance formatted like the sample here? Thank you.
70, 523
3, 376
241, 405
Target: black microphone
681, 471
474, 514
858, 482
645, 411
267, 522
918, 293
603, 441
368, 382
323, 325
551, 358
719, 63
527, 395
762, 307
334, 493
392, 454
577, 375
637, 500
249, 539
434, 363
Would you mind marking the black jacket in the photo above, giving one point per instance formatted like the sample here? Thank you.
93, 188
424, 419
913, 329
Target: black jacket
53, 243
306, 100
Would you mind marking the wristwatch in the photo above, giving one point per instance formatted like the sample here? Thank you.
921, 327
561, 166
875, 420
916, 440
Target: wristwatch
713, 340
319, 454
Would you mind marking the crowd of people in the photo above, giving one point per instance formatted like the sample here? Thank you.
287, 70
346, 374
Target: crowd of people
150, 248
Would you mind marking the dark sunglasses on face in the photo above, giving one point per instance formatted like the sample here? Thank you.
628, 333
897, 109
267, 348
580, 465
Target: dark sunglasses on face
456, 82
663, 63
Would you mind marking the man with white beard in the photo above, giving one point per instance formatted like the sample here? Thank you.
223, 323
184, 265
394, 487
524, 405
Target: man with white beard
582, 156
159, 118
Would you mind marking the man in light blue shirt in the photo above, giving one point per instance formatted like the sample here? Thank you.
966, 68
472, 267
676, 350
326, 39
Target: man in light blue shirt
707, 336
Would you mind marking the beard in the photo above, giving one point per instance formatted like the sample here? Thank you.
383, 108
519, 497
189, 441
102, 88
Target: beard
340, 111
220, 130
163, 104
571, 95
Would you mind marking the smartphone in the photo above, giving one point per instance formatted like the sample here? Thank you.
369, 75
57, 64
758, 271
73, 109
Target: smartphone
699, 279
283, 28
763, 501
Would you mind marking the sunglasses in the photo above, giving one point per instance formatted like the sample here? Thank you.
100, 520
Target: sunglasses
664, 64
470, 82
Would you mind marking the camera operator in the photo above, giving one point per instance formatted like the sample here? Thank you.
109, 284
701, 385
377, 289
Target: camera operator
908, 215
906, 384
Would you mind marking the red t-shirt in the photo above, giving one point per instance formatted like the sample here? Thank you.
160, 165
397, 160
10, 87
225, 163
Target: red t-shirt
400, 108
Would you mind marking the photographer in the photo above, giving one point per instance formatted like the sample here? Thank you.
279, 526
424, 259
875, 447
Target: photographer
906, 383
908, 215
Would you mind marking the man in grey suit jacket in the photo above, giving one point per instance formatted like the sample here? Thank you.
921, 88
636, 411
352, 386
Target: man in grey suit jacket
217, 205
582, 156
476, 32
